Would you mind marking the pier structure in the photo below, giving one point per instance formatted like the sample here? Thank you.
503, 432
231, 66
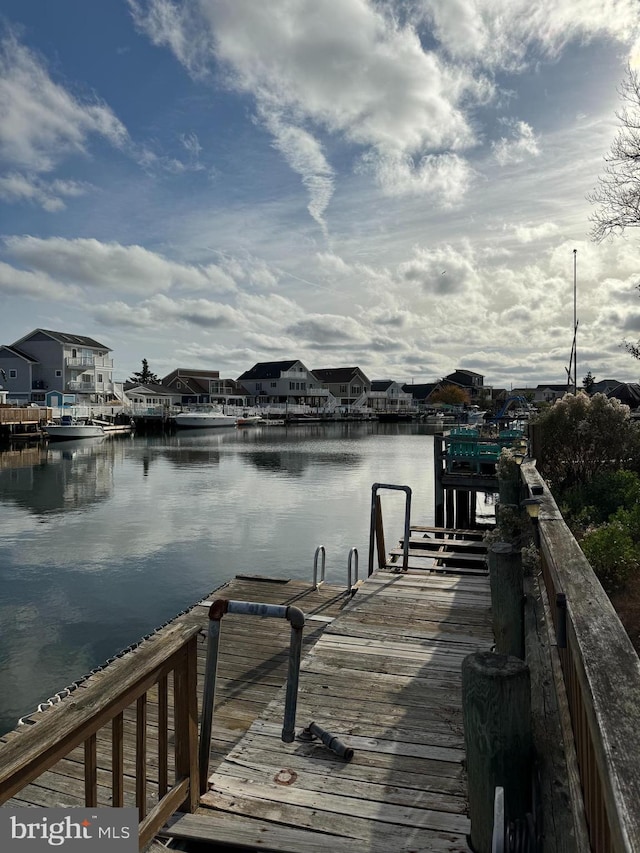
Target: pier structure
386, 722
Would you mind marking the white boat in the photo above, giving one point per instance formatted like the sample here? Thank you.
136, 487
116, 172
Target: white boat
69, 429
203, 420
249, 420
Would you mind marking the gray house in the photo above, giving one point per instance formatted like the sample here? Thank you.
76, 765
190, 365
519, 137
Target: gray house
283, 382
349, 385
44, 362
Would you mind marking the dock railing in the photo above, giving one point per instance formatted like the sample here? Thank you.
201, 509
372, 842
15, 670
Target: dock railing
601, 672
99, 710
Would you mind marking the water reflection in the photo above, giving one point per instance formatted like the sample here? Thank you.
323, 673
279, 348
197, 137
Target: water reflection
138, 529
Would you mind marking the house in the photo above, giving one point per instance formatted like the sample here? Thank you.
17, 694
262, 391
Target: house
388, 396
284, 382
150, 395
628, 393
45, 361
204, 386
421, 393
348, 385
468, 379
549, 393
604, 386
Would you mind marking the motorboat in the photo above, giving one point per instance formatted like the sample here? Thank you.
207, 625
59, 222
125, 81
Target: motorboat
203, 420
70, 429
249, 420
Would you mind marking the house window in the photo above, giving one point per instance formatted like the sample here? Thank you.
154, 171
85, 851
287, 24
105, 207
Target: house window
343, 389
178, 384
357, 389
13, 374
74, 353
99, 377
274, 384
292, 386
58, 373
258, 386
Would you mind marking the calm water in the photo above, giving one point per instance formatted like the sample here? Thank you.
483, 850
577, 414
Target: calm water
101, 543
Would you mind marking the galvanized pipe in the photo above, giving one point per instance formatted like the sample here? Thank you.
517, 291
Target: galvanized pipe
407, 522
319, 550
247, 608
331, 741
352, 553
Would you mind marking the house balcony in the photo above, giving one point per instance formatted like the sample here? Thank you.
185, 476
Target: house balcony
89, 362
84, 387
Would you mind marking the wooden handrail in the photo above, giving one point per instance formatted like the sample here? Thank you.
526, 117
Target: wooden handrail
77, 719
602, 677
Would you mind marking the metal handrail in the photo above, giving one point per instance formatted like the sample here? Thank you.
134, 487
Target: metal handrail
319, 550
352, 553
220, 606
374, 520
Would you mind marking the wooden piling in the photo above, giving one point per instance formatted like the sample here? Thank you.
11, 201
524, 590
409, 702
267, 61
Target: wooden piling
507, 598
496, 704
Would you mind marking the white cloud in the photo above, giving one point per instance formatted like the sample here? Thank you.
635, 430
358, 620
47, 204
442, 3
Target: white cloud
161, 311
33, 285
113, 267
41, 121
529, 233
521, 143
49, 195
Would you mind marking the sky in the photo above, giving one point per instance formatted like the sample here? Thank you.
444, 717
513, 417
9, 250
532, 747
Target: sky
394, 184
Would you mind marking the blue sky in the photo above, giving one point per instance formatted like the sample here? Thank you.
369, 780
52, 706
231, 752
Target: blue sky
397, 185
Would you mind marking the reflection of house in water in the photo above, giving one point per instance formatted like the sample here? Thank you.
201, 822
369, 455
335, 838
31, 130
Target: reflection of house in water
60, 479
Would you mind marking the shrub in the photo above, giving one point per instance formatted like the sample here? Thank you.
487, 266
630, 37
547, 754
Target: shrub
595, 502
612, 553
583, 436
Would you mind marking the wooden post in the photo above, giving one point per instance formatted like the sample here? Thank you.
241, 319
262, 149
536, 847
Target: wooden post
496, 712
438, 447
507, 598
450, 517
462, 509
509, 490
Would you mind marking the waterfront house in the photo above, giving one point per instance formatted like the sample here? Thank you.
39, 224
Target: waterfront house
605, 386
421, 393
349, 385
388, 396
150, 395
283, 383
201, 387
549, 393
470, 381
45, 361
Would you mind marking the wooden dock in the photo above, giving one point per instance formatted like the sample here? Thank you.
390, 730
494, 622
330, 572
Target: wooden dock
381, 672
384, 678
252, 668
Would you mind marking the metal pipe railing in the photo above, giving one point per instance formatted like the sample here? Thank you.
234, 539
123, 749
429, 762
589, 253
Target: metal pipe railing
220, 606
352, 553
374, 518
319, 551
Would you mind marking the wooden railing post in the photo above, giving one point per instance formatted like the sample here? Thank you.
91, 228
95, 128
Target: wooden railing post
496, 712
186, 723
507, 598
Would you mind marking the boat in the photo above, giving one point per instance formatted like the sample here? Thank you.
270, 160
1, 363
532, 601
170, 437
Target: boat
203, 420
69, 429
249, 420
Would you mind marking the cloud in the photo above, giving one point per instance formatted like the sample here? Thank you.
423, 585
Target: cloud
529, 233
161, 311
41, 121
510, 34
49, 195
33, 285
113, 267
442, 270
328, 329
521, 143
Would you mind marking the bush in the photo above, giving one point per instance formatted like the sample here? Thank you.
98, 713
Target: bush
613, 554
595, 502
583, 436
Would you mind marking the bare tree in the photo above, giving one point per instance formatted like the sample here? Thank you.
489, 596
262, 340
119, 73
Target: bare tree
617, 194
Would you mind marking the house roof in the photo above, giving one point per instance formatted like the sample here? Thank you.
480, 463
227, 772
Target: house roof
558, 388
421, 391
466, 372
381, 384
66, 338
267, 370
16, 352
183, 375
337, 374
148, 388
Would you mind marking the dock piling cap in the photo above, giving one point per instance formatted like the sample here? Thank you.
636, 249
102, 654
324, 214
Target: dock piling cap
218, 609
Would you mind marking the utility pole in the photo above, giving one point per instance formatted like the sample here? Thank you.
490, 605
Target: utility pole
575, 323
